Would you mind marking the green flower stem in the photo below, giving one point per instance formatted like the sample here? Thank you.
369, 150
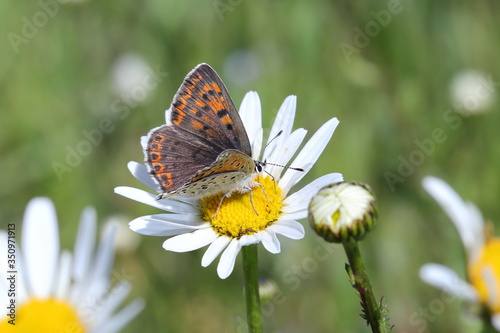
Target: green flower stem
250, 268
374, 314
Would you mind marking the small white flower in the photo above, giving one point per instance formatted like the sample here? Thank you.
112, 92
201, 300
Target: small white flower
63, 291
472, 92
483, 253
133, 78
236, 224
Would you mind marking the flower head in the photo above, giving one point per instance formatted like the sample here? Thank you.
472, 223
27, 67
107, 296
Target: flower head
59, 292
343, 211
243, 218
482, 250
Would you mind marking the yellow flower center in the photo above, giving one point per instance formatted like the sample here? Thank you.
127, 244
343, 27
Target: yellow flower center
484, 275
43, 316
238, 215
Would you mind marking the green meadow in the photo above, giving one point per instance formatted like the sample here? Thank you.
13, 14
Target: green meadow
413, 83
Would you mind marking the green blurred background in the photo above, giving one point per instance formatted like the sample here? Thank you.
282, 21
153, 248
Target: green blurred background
390, 71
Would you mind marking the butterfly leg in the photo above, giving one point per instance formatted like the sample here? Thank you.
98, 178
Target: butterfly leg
227, 194
272, 177
251, 198
263, 191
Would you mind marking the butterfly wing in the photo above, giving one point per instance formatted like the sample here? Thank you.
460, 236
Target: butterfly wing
203, 109
205, 123
227, 173
173, 158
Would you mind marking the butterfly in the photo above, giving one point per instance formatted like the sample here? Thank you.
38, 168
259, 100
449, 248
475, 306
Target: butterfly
205, 149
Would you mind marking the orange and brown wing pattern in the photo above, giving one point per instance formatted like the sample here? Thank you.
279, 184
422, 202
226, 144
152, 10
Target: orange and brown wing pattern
173, 159
203, 108
229, 161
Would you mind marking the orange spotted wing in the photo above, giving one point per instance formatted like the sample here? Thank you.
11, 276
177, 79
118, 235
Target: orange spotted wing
204, 123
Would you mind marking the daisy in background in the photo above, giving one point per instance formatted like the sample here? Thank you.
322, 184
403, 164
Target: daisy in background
62, 291
482, 249
226, 229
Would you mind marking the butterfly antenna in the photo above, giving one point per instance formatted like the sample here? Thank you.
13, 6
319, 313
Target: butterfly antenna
285, 167
275, 137
278, 165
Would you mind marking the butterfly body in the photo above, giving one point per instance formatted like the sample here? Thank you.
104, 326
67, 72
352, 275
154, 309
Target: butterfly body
204, 150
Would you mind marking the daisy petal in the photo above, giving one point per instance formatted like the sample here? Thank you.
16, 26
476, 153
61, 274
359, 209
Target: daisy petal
228, 259
41, 253
284, 123
447, 280
286, 151
116, 296
3, 268
465, 216
85, 243
309, 154
270, 241
105, 253
299, 201
63, 275
495, 321
290, 229
144, 144
151, 226
191, 241
140, 171
150, 199
120, 319
214, 250
251, 115
250, 239
488, 275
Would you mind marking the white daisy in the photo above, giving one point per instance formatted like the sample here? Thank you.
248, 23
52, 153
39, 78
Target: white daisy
192, 223
483, 253
60, 291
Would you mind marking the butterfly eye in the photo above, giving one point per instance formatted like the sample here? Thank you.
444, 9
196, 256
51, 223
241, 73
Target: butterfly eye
258, 167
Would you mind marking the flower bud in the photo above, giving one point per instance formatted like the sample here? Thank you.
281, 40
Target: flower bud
343, 211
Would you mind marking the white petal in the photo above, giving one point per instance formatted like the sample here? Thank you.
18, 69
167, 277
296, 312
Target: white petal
488, 275
3, 269
270, 241
85, 243
495, 321
285, 152
140, 171
309, 154
168, 112
23, 292
283, 122
159, 225
191, 241
249, 239
144, 142
104, 257
447, 280
214, 250
256, 143
299, 201
251, 115
120, 319
465, 216
63, 276
40, 240
290, 229
111, 301
228, 258
150, 199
